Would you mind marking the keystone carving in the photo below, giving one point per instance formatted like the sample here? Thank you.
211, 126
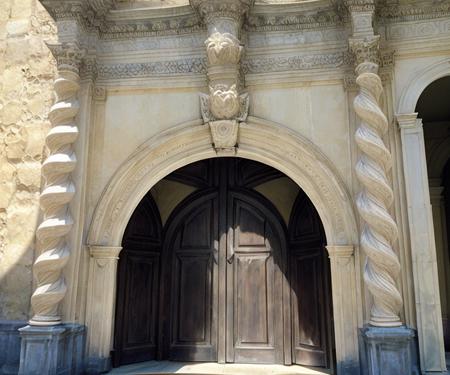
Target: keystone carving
223, 48
59, 189
225, 136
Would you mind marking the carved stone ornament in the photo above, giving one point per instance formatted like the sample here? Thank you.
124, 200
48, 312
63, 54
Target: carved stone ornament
68, 56
366, 50
213, 9
360, 5
224, 135
224, 103
223, 48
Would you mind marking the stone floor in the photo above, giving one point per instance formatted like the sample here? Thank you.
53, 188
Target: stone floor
166, 367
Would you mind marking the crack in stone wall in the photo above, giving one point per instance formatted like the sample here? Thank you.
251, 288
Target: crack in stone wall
27, 71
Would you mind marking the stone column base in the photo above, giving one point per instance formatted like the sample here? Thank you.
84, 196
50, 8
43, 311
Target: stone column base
389, 351
53, 350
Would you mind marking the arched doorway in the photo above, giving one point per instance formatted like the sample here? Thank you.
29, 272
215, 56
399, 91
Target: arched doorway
243, 274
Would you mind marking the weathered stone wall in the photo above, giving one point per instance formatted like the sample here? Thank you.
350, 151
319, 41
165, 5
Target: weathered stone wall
26, 85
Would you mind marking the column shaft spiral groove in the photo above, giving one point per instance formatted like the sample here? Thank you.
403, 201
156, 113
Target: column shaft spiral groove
54, 200
379, 231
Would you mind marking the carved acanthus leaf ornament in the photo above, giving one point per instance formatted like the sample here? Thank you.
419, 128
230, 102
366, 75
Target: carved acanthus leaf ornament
223, 48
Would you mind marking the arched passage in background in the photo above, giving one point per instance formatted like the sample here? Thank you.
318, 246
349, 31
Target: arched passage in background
242, 273
434, 110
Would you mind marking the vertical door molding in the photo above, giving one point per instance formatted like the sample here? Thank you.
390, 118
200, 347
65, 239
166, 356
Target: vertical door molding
101, 295
342, 262
423, 247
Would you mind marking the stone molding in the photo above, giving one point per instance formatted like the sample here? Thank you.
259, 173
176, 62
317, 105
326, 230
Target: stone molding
58, 191
91, 15
409, 121
257, 137
249, 65
424, 10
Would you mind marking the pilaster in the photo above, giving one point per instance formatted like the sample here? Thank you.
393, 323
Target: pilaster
423, 247
100, 304
342, 262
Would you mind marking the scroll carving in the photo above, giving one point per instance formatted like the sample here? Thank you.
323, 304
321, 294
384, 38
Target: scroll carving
59, 189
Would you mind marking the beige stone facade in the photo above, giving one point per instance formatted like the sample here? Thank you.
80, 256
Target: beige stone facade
141, 91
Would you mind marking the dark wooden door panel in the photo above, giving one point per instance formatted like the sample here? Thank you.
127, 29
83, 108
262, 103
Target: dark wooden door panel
309, 328
192, 276
255, 330
310, 289
135, 334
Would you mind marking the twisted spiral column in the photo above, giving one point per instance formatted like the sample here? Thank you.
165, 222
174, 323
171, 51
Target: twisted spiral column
379, 231
58, 191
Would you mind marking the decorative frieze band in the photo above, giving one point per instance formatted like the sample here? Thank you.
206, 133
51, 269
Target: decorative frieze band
91, 15
130, 70
198, 65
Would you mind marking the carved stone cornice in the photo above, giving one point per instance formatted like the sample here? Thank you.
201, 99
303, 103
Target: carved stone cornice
68, 55
412, 12
323, 18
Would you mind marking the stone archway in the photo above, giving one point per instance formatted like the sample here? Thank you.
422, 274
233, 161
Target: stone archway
259, 140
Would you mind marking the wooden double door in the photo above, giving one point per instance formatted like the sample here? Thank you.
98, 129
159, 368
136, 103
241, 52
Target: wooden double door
228, 287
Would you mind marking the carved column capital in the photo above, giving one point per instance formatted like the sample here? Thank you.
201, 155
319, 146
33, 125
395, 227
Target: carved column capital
367, 53
341, 251
104, 252
222, 15
409, 121
68, 56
